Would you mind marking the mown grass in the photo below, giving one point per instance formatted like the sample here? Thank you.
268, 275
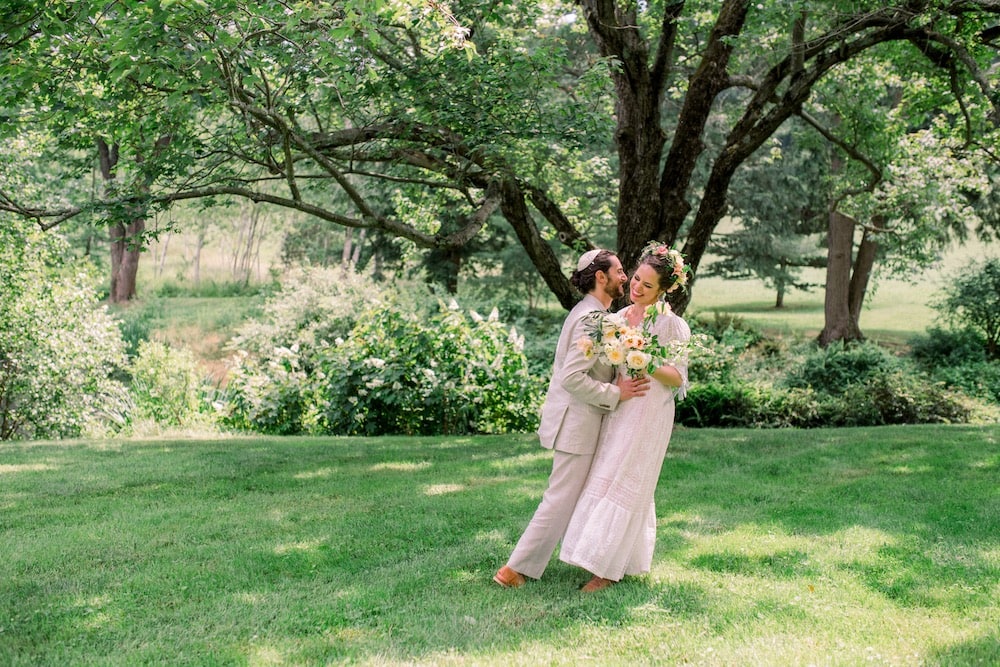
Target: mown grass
895, 308
892, 315
826, 547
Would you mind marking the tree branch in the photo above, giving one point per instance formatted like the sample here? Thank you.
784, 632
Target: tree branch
853, 152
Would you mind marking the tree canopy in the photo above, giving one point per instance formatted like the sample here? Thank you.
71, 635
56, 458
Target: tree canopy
594, 122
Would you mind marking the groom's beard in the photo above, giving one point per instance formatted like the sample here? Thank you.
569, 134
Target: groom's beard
616, 292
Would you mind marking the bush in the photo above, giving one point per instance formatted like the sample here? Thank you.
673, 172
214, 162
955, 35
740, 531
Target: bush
729, 338
852, 385
266, 394
731, 329
947, 347
312, 308
972, 301
833, 369
398, 369
59, 350
167, 387
980, 380
905, 398
737, 404
452, 373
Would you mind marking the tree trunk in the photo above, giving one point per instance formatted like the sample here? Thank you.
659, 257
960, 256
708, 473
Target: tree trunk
863, 263
345, 255
356, 255
199, 243
839, 324
126, 247
161, 265
126, 237
126, 244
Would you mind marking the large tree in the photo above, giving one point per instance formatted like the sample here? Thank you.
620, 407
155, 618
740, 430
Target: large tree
493, 107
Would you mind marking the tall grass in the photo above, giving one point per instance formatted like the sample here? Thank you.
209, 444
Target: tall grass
827, 547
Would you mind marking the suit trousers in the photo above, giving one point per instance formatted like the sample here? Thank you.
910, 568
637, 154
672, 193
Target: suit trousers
548, 525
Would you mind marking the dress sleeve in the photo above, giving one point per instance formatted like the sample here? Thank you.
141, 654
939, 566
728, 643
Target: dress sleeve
670, 327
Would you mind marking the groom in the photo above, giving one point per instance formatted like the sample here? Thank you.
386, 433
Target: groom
580, 393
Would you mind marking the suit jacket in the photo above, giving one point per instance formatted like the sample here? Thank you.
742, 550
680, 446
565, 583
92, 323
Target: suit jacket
580, 390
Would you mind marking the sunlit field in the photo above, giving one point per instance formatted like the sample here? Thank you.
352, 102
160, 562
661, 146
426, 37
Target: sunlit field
840, 547
895, 308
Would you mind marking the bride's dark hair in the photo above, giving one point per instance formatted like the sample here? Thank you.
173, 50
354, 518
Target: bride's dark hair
668, 264
663, 267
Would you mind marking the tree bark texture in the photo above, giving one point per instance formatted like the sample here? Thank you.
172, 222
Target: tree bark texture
516, 212
840, 324
125, 237
861, 275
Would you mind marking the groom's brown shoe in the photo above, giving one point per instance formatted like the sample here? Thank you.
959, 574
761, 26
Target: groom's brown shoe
508, 578
596, 584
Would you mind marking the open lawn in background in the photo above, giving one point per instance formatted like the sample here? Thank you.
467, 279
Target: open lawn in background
825, 547
896, 309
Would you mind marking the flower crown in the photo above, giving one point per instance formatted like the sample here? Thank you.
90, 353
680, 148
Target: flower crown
671, 256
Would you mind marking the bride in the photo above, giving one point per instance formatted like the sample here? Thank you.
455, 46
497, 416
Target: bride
613, 528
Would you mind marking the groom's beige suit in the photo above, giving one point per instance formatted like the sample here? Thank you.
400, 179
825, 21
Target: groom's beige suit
581, 391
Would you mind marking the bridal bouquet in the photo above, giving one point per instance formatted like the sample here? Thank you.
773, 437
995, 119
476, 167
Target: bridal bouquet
632, 349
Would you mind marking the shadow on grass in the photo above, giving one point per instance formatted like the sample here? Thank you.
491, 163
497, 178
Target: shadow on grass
354, 550
766, 307
981, 651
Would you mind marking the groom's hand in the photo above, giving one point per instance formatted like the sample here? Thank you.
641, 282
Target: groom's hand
632, 387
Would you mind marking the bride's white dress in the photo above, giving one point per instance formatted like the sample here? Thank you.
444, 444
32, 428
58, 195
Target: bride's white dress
612, 532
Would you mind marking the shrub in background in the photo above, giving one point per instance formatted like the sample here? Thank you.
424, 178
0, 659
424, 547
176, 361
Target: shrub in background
406, 364
59, 350
863, 384
167, 388
980, 380
266, 394
947, 347
728, 339
312, 307
833, 369
972, 301
957, 357
445, 373
858, 384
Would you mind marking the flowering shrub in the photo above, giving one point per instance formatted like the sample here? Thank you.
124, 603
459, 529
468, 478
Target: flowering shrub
59, 350
265, 393
446, 374
398, 368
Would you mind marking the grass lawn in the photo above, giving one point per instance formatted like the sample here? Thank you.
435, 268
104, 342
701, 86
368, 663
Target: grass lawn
895, 308
892, 315
826, 547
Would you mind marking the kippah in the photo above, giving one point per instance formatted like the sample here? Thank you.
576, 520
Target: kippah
587, 258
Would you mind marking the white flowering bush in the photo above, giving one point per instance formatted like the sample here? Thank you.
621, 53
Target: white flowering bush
266, 393
405, 367
314, 305
449, 372
60, 351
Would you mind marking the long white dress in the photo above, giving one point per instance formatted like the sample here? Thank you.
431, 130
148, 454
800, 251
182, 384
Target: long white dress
612, 532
